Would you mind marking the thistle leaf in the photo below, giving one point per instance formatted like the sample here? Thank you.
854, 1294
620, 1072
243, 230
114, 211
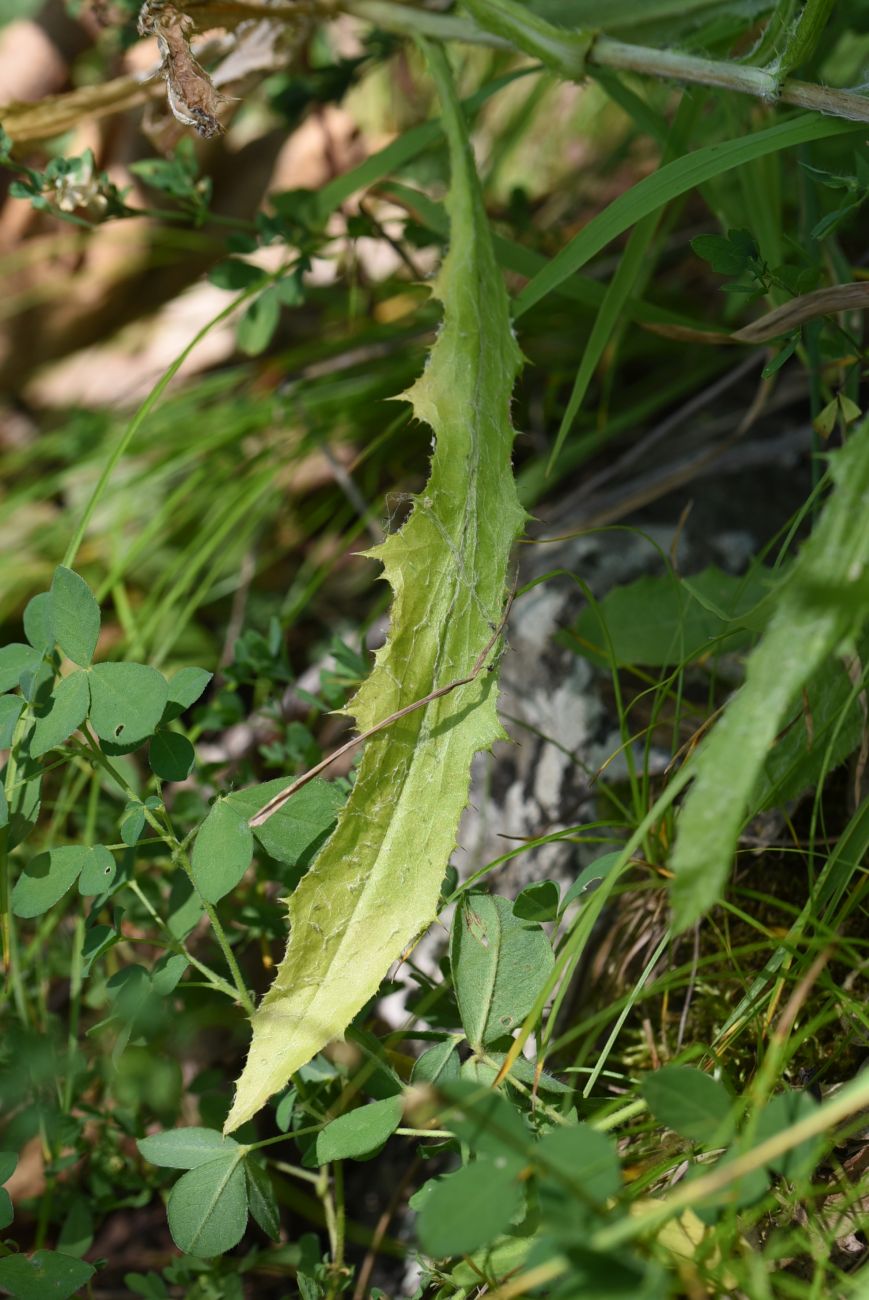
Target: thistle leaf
375, 884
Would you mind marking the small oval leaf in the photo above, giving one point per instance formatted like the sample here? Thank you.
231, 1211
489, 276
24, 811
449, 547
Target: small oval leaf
690, 1103
37, 622
45, 1275
359, 1132
185, 1148
468, 1209
98, 872
75, 616
207, 1208
222, 852
171, 756
46, 878
16, 659
70, 701
127, 701
499, 964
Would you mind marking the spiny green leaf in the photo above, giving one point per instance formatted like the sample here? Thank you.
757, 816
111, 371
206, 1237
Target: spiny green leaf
46, 878
127, 701
376, 883
812, 618
222, 852
207, 1208
499, 963
360, 1132
75, 616
70, 701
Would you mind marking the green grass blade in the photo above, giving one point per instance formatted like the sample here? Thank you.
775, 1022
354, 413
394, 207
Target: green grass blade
820, 607
376, 883
668, 183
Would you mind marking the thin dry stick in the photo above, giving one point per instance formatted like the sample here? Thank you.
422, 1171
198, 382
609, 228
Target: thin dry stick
274, 805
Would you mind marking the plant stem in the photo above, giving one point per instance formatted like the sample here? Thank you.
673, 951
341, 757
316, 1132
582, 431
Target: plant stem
179, 855
11, 973
764, 83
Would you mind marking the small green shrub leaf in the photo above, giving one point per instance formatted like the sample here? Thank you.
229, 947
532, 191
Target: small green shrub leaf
468, 1209
499, 964
185, 689
222, 852
487, 1123
10, 712
661, 621
589, 877
45, 1275
38, 622
98, 872
46, 878
438, 1064
817, 609
207, 1208
75, 616
132, 822
186, 1148
127, 701
690, 1103
583, 1158
77, 1233
171, 756
259, 322
298, 829
70, 701
359, 1132
8, 1161
538, 902
779, 1114
15, 660
261, 1199
234, 274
